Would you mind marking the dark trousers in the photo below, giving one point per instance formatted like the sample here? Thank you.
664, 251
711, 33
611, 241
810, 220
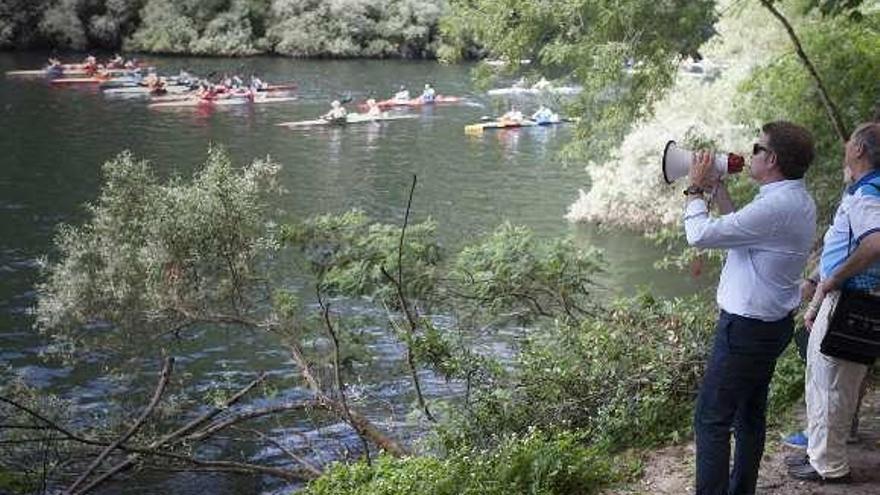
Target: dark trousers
734, 393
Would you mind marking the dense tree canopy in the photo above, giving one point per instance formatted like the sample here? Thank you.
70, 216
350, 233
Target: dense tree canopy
303, 28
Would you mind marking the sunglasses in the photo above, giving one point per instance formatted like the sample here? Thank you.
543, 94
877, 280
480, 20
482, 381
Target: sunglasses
758, 148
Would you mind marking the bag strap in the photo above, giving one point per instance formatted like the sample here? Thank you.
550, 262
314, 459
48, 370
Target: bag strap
849, 243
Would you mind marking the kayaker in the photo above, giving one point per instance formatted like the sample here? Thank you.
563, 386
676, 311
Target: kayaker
257, 84
54, 69
545, 116
513, 116
207, 92
402, 94
336, 114
90, 65
428, 94
158, 87
373, 109
115, 62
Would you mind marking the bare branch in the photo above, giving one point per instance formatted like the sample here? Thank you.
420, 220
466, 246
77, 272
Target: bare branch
830, 107
164, 376
248, 415
51, 424
195, 423
337, 373
289, 453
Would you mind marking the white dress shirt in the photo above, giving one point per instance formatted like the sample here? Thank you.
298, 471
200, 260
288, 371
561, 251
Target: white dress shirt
767, 244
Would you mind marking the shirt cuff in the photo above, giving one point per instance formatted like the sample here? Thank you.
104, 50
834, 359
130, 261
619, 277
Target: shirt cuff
695, 208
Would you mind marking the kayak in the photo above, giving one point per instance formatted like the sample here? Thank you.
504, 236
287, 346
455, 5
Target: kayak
558, 90
80, 80
145, 91
63, 72
414, 102
184, 95
198, 102
352, 118
508, 124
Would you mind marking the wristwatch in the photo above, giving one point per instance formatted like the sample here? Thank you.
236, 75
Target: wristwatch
693, 190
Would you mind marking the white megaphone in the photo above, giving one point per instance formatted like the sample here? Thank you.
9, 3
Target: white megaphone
677, 162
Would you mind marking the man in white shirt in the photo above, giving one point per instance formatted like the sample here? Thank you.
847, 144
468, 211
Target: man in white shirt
850, 260
767, 242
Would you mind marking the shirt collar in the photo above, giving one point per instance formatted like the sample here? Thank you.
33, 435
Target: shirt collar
780, 184
864, 180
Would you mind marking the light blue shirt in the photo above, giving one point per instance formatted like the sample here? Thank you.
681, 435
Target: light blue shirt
768, 242
859, 215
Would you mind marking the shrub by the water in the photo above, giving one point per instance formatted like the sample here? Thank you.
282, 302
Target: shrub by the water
532, 463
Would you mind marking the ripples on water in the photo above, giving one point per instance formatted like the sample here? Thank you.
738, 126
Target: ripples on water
53, 141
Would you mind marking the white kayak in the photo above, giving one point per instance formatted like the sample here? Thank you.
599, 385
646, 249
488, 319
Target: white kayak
554, 90
352, 118
198, 102
143, 90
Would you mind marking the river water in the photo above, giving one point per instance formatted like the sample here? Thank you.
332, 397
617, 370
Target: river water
53, 141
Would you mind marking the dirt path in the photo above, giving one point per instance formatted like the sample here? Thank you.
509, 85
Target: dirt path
670, 471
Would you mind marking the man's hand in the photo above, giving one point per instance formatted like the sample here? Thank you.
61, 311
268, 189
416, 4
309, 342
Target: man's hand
702, 171
808, 289
822, 289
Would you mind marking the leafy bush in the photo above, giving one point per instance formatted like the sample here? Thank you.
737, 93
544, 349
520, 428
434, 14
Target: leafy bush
626, 376
532, 463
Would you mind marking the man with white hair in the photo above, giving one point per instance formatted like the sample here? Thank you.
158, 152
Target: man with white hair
850, 261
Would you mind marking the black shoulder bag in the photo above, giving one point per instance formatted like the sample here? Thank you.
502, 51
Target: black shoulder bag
854, 325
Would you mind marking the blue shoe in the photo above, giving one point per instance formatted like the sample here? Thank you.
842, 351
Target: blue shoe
796, 440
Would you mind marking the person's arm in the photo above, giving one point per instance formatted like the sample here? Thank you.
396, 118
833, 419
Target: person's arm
742, 228
722, 199
863, 257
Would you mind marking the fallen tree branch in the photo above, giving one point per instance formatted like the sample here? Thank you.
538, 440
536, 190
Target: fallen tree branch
248, 415
289, 453
164, 376
195, 423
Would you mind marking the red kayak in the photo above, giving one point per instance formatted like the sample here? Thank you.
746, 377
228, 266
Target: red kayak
415, 102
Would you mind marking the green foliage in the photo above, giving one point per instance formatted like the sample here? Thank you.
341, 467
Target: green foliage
349, 252
626, 376
532, 463
845, 55
228, 33
152, 254
511, 272
591, 42
164, 29
62, 25
350, 28
304, 28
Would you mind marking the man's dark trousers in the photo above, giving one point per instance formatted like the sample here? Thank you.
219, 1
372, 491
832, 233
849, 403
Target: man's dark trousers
734, 393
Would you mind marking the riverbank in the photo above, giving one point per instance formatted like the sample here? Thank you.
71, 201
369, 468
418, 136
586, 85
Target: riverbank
670, 470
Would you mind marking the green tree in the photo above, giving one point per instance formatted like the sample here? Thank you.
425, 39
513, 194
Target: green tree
164, 29
623, 53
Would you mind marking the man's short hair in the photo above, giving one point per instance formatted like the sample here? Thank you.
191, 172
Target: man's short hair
792, 145
868, 136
